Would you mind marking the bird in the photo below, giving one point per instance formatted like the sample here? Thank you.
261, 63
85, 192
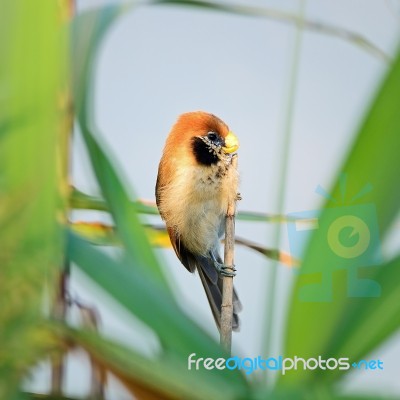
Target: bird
196, 180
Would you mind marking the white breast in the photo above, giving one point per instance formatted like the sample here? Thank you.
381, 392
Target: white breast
195, 204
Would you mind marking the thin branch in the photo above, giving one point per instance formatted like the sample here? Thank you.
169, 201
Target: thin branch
273, 254
90, 320
59, 313
227, 282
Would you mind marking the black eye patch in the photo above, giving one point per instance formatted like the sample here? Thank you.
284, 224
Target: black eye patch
204, 150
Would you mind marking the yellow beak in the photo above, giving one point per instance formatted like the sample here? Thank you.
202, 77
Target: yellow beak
231, 143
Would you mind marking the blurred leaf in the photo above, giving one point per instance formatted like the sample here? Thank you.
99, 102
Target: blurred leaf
320, 392
88, 31
36, 396
272, 254
147, 394
278, 15
82, 201
368, 321
32, 88
96, 233
144, 298
161, 377
104, 235
320, 297
253, 216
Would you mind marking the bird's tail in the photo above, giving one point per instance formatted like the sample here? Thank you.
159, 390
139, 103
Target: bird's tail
213, 289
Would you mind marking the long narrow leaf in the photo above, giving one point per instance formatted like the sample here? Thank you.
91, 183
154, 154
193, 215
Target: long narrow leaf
368, 321
160, 377
33, 64
328, 283
82, 201
145, 298
88, 30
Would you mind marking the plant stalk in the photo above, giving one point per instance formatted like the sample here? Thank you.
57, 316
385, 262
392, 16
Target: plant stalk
227, 282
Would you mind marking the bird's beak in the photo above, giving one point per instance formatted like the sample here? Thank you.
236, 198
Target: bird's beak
231, 143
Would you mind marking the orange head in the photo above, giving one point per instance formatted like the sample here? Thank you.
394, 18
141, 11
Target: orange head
200, 138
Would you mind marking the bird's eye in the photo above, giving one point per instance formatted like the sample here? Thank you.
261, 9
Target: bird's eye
212, 136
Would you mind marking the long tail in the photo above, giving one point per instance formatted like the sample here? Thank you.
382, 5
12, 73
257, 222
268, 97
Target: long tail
209, 277
212, 284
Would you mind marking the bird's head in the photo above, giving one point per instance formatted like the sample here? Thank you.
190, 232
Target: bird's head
205, 137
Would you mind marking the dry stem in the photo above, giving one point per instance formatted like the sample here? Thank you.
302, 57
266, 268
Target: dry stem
227, 282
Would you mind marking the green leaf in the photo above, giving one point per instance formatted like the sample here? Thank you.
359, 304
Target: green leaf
315, 392
33, 86
104, 235
368, 321
88, 30
82, 201
36, 396
161, 377
144, 298
323, 292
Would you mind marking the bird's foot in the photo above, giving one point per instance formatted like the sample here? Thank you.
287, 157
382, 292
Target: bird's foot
222, 269
225, 270
238, 196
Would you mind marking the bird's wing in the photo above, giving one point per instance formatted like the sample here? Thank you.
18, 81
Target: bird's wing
158, 193
184, 255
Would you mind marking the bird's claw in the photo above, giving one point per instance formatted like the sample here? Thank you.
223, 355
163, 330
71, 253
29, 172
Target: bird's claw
228, 271
222, 269
225, 270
